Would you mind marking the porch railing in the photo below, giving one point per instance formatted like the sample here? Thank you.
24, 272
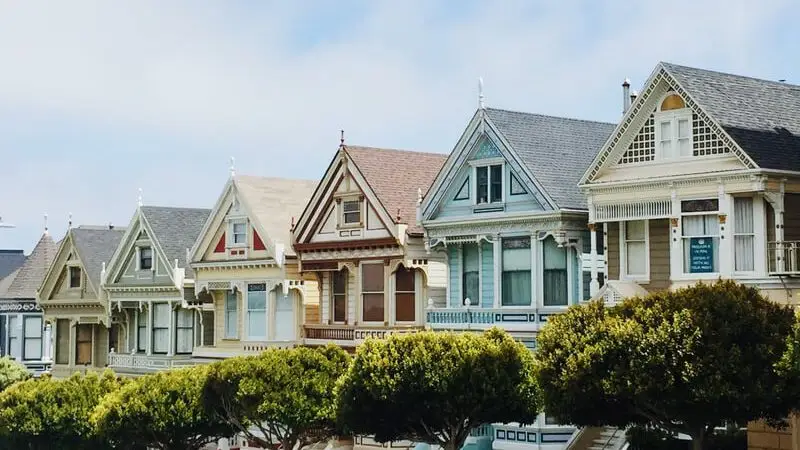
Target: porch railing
142, 362
783, 257
330, 332
482, 318
347, 334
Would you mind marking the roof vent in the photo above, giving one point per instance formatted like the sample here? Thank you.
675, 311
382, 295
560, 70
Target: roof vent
626, 95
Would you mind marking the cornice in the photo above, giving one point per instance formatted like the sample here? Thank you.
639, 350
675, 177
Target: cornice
515, 225
233, 264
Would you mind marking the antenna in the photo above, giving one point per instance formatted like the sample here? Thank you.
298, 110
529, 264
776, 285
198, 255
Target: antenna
480, 93
341, 138
139, 200
69, 221
5, 225
45, 222
233, 167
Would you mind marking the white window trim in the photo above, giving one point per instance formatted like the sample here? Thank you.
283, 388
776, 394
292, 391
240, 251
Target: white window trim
474, 187
231, 241
623, 253
534, 268
139, 258
472, 302
361, 212
267, 313
673, 115
417, 294
235, 332
333, 298
682, 274
361, 293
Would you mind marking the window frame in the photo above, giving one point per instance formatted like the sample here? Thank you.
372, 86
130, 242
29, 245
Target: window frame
683, 274
141, 330
487, 164
61, 351
231, 297
363, 292
674, 117
78, 342
179, 327
26, 338
343, 223
142, 258
249, 310
531, 270
463, 278
623, 252
413, 292
231, 236
154, 328
333, 295
71, 279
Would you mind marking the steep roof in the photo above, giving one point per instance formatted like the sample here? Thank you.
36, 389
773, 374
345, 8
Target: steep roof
395, 176
10, 261
556, 150
274, 202
176, 229
95, 246
31, 274
762, 116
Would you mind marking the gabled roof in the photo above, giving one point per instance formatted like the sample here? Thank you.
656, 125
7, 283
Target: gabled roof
395, 177
762, 116
10, 261
31, 274
95, 245
175, 230
556, 150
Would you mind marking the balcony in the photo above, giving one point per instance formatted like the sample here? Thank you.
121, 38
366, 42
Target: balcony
517, 437
142, 363
350, 335
477, 318
783, 258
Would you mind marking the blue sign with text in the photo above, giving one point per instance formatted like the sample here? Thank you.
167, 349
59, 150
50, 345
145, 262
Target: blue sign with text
701, 255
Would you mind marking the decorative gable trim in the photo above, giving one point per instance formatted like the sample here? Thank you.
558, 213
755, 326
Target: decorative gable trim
220, 248
636, 117
258, 244
67, 255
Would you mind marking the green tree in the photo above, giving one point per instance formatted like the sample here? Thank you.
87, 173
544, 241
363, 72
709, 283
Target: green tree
684, 361
45, 413
436, 387
282, 396
163, 410
11, 372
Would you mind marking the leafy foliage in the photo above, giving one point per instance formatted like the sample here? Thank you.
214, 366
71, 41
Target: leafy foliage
286, 394
162, 410
46, 413
436, 387
11, 372
685, 361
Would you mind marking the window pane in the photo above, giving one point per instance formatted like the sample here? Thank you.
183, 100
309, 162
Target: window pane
634, 230
743, 215
184, 340
482, 180
339, 308
160, 340
404, 280
339, 282
230, 314
372, 280
517, 253
685, 146
256, 300
62, 341
404, 307
161, 315
744, 258
517, 288
470, 257
555, 274
554, 257
33, 327
373, 308
497, 183
666, 130
683, 128
257, 324
185, 318
470, 281
636, 258
83, 347
700, 255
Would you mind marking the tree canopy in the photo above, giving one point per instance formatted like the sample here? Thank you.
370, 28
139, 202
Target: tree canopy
685, 360
11, 372
436, 387
46, 413
163, 410
287, 395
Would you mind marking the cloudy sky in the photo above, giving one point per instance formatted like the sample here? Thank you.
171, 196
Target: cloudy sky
99, 99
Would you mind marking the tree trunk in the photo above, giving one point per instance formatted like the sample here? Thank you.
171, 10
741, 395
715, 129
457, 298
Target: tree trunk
699, 441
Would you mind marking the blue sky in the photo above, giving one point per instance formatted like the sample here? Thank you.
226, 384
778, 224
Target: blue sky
99, 99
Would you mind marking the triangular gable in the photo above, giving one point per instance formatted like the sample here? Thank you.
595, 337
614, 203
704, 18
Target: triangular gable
57, 273
343, 187
481, 140
630, 143
121, 269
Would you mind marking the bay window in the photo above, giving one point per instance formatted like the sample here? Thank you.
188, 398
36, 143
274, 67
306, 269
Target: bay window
634, 234
372, 285
184, 332
556, 291
471, 274
700, 224
32, 338
489, 183
141, 329
13, 336
516, 278
405, 295
257, 311
743, 234
83, 344
62, 341
231, 315
161, 322
339, 290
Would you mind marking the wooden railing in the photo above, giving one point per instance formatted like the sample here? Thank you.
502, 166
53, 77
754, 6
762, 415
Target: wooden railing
329, 332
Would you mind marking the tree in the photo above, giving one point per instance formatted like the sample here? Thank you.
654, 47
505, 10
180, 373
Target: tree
280, 397
436, 387
163, 410
44, 413
685, 361
11, 372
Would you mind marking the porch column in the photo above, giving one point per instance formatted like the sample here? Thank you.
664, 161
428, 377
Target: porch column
497, 258
172, 314
781, 252
135, 332
594, 284
149, 329
73, 342
726, 256
47, 342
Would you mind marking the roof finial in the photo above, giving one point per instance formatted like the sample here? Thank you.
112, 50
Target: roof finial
45, 223
399, 218
419, 196
233, 167
341, 138
69, 221
291, 227
480, 93
139, 200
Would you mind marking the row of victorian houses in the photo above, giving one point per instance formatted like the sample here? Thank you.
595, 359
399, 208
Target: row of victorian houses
527, 215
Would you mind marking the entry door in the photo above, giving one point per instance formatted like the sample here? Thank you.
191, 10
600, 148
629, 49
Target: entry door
285, 327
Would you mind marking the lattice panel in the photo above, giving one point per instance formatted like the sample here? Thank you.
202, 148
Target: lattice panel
643, 147
704, 140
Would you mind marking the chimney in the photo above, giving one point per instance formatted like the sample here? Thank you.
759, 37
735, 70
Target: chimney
634, 94
626, 95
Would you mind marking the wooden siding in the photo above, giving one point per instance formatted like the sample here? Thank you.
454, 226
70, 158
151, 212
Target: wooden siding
312, 314
612, 249
659, 255
791, 217
487, 275
762, 437
454, 264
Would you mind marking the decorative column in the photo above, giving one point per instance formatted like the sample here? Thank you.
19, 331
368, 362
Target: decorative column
497, 259
594, 284
726, 255
172, 327
47, 343
149, 329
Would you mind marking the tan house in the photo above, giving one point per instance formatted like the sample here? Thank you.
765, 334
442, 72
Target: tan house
247, 284
701, 180
359, 236
74, 302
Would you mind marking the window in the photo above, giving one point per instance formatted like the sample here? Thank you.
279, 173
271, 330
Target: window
161, 320
351, 211
239, 233
62, 341
404, 297
13, 336
257, 311
141, 329
555, 274
32, 337
743, 234
471, 274
550, 420
339, 288
700, 236
516, 187
372, 281
83, 344
635, 239
674, 128
74, 277
489, 181
184, 333
516, 271
463, 191
231, 314
145, 258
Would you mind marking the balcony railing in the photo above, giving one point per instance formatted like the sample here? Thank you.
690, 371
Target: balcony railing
349, 335
330, 332
784, 258
477, 318
145, 363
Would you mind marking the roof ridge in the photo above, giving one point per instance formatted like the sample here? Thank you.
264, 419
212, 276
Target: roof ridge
573, 119
238, 175
667, 65
399, 150
176, 207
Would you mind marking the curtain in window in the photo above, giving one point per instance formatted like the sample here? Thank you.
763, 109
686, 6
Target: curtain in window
471, 274
230, 315
516, 272
161, 320
555, 274
339, 288
142, 331
257, 311
32, 338
744, 257
372, 283
13, 337
700, 234
405, 289
184, 333
635, 247
83, 344
62, 341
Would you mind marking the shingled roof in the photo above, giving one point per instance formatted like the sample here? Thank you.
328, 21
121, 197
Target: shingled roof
395, 176
31, 274
556, 150
10, 261
762, 116
176, 229
95, 245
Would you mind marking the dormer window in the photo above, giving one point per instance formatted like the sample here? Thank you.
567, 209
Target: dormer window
238, 233
673, 128
489, 184
74, 277
145, 258
351, 212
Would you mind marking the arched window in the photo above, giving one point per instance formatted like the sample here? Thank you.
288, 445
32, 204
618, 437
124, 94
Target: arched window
673, 128
671, 102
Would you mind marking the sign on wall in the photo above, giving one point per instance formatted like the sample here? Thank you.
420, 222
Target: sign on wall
701, 255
